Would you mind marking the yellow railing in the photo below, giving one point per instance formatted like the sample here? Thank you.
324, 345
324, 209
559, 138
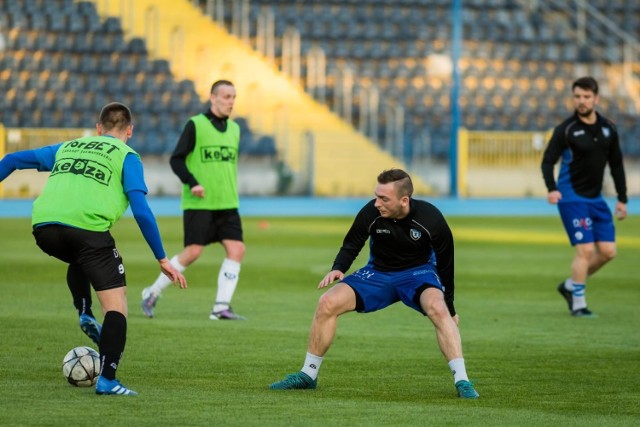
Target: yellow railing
18, 139
505, 148
29, 183
500, 163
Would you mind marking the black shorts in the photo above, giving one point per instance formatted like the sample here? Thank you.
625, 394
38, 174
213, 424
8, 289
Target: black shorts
202, 227
94, 251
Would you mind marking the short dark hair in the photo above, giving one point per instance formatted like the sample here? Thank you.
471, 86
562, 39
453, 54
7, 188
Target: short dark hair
586, 83
115, 115
400, 178
217, 84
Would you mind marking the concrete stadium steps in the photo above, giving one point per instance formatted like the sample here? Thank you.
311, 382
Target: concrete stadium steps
273, 104
350, 167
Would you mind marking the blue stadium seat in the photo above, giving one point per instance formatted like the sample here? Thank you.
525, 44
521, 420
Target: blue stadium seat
137, 45
265, 146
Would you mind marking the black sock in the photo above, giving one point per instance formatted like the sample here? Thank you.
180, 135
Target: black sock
80, 288
112, 341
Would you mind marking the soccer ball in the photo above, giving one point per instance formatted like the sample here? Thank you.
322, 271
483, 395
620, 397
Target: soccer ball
81, 366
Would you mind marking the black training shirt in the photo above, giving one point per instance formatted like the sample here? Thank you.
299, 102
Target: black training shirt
421, 237
585, 150
187, 143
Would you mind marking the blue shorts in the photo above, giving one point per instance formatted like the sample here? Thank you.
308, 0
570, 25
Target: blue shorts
587, 222
376, 290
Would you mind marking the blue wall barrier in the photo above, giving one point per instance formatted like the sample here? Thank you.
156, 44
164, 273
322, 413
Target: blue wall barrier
313, 206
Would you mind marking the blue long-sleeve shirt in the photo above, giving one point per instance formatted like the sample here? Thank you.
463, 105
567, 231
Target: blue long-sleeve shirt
43, 159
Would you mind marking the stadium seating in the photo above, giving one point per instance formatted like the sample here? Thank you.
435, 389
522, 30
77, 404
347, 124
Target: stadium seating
517, 60
516, 67
61, 63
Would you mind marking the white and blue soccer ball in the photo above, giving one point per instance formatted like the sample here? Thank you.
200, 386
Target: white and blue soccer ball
81, 366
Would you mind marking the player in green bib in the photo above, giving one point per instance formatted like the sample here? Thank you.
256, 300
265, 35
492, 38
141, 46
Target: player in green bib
93, 181
206, 161
93, 203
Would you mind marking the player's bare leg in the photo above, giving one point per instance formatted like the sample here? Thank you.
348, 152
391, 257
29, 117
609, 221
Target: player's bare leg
180, 262
581, 262
605, 252
447, 333
338, 300
448, 336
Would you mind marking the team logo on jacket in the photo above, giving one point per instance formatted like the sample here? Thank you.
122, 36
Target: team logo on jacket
415, 234
606, 132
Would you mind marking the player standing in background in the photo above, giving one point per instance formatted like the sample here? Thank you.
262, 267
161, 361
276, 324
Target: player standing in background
93, 180
206, 161
411, 260
586, 142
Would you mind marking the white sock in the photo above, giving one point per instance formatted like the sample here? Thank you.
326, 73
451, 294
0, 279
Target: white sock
162, 282
458, 370
312, 365
227, 282
568, 284
579, 297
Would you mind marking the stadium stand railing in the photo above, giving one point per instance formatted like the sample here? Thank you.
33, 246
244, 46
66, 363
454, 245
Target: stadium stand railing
496, 163
29, 183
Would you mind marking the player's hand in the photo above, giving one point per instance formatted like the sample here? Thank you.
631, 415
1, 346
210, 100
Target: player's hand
554, 197
621, 210
172, 273
197, 190
331, 277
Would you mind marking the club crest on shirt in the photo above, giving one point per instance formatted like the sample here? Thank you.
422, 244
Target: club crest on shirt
606, 132
415, 234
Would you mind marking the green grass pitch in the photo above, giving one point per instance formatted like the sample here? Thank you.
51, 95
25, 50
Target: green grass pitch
532, 363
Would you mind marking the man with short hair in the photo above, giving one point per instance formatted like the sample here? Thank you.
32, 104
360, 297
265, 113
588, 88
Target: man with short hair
585, 142
206, 161
411, 260
93, 181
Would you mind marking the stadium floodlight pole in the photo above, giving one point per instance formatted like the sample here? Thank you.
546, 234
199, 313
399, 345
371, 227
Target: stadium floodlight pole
456, 48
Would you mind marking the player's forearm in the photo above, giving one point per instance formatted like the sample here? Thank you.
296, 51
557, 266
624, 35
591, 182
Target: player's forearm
147, 223
19, 160
179, 167
547, 174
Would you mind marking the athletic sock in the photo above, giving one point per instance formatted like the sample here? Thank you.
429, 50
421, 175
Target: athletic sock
458, 370
579, 297
112, 341
162, 282
568, 284
312, 365
227, 282
80, 288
